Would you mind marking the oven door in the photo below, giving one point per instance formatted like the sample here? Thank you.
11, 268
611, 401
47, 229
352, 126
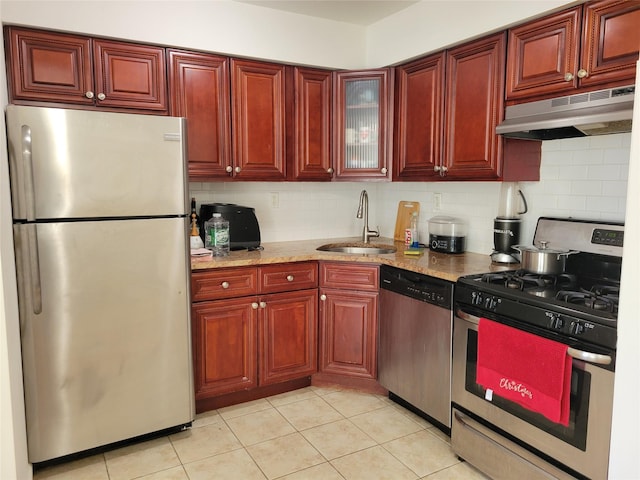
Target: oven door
582, 446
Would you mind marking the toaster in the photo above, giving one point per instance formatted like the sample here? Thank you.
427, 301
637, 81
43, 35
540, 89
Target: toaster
244, 231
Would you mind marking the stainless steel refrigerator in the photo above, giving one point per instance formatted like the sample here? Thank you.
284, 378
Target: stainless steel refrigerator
100, 228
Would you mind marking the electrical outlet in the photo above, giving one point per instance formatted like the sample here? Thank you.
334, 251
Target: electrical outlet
275, 199
437, 202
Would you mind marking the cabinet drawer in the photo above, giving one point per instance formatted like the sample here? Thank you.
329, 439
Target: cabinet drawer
285, 277
349, 276
223, 283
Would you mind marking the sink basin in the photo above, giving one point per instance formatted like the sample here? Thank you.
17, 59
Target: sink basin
358, 248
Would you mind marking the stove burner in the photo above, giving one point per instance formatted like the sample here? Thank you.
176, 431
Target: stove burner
594, 299
526, 281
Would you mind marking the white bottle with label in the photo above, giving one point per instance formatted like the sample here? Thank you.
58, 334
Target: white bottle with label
217, 235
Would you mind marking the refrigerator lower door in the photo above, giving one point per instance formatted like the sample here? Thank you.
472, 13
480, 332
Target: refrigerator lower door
105, 326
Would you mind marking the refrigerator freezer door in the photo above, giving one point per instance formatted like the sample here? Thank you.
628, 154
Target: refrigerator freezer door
84, 164
109, 355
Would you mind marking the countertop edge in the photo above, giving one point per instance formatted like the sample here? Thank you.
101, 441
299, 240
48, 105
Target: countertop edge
439, 265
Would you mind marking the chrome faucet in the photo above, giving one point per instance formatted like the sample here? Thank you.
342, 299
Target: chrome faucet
363, 209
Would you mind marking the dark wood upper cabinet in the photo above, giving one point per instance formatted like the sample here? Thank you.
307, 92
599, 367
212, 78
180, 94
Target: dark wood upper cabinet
474, 106
594, 45
419, 111
610, 42
199, 85
76, 70
312, 124
258, 120
447, 108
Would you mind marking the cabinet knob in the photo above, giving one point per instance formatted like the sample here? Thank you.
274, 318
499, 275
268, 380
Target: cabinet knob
263, 304
436, 168
329, 170
582, 73
225, 284
383, 171
568, 77
88, 94
323, 297
255, 305
238, 169
101, 96
289, 278
229, 169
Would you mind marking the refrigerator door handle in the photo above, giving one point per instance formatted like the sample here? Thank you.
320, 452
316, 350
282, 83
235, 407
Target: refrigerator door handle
34, 268
27, 160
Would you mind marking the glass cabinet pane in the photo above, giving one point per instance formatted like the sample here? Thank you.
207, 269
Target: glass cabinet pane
362, 114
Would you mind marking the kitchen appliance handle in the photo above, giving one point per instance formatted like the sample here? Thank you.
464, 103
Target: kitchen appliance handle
34, 268
30, 213
588, 357
27, 162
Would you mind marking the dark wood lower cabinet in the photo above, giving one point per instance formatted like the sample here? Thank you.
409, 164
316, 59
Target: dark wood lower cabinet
349, 325
248, 345
224, 347
288, 336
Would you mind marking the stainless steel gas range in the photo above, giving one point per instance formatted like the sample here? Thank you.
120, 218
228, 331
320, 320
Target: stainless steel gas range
577, 308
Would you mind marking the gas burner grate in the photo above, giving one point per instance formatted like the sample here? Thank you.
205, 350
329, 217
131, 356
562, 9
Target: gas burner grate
523, 280
594, 299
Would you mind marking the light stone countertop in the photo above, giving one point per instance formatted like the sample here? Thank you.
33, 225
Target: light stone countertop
439, 265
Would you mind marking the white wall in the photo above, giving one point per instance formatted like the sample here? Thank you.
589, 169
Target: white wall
432, 24
580, 177
248, 30
13, 442
625, 434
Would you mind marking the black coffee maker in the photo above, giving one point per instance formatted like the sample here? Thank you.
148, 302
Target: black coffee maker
506, 226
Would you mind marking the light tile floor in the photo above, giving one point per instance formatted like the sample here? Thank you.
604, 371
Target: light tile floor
307, 434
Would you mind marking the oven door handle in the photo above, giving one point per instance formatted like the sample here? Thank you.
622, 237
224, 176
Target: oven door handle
589, 357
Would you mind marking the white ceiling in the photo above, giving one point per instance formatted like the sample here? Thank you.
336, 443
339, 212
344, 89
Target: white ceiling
359, 12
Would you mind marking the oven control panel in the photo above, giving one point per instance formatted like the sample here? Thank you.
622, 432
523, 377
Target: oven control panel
560, 320
603, 236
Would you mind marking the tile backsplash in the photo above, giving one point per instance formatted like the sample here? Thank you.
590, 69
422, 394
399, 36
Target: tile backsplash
579, 177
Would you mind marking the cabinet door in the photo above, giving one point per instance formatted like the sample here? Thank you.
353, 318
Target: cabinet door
49, 67
418, 118
312, 138
224, 346
348, 329
474, 106
543, 55
610, 42
130, 76
288, 336
361, 107
258, 117
199, 86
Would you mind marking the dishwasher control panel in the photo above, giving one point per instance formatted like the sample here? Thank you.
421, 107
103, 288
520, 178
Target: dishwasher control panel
416, 285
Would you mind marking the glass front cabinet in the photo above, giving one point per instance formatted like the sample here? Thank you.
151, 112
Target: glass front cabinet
362, 118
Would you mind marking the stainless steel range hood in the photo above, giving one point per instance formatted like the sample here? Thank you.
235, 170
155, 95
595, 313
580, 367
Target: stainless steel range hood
593, 113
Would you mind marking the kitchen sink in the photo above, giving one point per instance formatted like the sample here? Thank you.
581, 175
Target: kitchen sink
357, 248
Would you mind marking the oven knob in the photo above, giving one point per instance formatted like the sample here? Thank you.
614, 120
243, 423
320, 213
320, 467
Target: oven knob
576, 328
476, 298
556, 322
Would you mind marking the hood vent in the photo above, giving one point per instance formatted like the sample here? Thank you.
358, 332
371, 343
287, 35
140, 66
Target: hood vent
593, 113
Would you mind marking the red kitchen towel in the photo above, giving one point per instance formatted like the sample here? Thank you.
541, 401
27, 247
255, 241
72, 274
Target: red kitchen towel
527, 369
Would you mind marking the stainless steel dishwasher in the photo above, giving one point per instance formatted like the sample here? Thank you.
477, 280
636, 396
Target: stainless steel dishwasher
414, 353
